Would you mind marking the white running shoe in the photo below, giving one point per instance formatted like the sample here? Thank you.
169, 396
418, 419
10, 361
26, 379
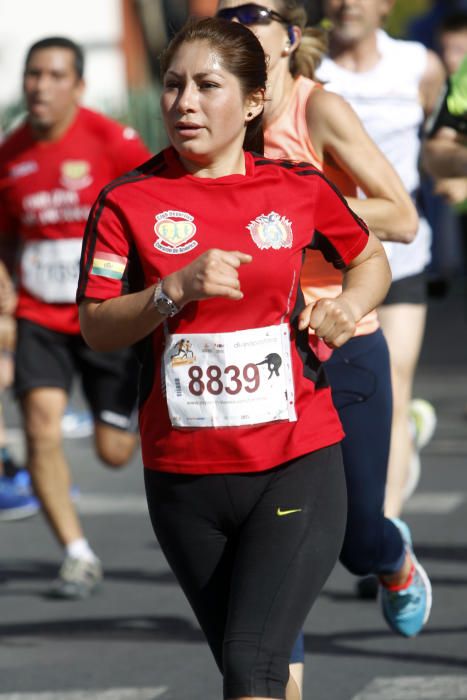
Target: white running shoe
422, 416
77, 578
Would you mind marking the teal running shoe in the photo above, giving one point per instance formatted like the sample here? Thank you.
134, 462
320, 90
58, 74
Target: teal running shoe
406, 609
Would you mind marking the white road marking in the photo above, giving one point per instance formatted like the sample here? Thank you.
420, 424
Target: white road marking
434, 503
110, 694
132, 504
415, 688
109, 504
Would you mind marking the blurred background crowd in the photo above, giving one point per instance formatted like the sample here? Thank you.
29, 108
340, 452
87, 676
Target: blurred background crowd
122, 40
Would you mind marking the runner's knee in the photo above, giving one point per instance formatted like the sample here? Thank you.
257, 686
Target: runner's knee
114, 447
42, 422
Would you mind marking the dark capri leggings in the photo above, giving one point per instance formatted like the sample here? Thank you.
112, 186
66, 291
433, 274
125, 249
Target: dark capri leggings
252, 552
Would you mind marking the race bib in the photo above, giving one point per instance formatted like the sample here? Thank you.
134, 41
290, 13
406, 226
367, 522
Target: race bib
50, 269
228, 379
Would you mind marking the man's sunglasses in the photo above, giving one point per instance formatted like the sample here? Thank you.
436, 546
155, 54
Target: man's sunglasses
255, 14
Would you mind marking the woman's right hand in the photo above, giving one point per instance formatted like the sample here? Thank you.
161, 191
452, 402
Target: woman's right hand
212, 274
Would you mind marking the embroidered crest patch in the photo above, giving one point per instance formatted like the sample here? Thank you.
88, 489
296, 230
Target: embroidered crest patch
174, 230
271, 231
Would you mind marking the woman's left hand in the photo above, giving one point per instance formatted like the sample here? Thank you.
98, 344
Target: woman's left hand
330, 319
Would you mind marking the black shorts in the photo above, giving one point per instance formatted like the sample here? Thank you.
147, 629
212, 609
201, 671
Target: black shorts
46, 358
408, 290
252, 552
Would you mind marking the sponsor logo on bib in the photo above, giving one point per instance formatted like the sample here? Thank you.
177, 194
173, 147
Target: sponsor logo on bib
174, 230
75, 174
271, 231
183, 353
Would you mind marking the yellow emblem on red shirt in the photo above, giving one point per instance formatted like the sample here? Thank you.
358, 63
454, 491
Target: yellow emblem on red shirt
174, 230
271, 231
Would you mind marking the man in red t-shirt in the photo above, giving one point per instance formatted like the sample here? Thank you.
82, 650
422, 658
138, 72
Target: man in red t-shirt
51, 170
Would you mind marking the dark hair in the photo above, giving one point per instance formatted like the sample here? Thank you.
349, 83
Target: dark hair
455, 22
242, 55
59, 42
314, 42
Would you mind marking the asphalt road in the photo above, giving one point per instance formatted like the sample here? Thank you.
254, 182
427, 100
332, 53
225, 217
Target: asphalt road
137, 638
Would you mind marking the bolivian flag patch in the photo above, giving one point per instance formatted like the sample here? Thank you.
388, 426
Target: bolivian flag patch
108, 265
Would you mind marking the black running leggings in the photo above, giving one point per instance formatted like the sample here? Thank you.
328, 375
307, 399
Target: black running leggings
252, 552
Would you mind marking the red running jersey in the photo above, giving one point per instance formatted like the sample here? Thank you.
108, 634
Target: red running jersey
158, 219
46, 192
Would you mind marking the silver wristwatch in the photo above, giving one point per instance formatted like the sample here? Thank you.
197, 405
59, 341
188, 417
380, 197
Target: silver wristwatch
163, 303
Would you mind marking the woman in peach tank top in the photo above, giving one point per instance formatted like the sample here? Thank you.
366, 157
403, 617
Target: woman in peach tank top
305, 123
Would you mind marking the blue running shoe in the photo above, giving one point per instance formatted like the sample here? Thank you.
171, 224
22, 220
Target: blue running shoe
407, 609
16, 498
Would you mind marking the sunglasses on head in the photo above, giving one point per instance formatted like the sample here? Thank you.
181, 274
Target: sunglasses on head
255, 14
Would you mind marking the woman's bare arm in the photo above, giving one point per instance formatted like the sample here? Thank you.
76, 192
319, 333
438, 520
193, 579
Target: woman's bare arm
122, 321
337, 133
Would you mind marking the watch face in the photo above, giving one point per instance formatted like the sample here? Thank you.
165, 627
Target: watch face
165, 306
163, 303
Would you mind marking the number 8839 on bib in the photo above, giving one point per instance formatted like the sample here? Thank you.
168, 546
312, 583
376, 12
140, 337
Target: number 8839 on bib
229, 379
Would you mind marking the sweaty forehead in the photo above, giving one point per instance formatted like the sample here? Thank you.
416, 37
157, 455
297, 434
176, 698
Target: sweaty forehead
196, 57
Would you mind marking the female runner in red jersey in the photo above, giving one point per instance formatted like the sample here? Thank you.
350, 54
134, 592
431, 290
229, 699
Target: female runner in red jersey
240, 439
